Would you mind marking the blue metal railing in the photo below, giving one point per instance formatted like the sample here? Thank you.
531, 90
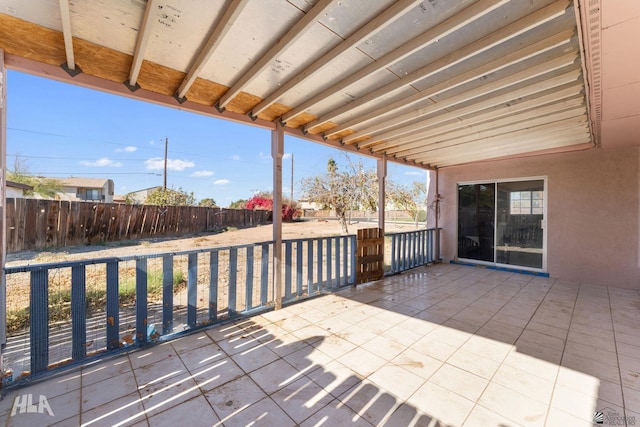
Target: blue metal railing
412, 249
221, 283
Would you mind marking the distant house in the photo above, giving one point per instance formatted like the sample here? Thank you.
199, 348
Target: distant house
309, 205
138, 197
119, 198
15, 190
87, 189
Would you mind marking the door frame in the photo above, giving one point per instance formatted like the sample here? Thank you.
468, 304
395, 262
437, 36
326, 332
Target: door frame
545, 240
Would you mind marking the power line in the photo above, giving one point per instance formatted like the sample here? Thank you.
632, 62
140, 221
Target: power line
96, 173
69, 158
71, 136
141, 159
142, 147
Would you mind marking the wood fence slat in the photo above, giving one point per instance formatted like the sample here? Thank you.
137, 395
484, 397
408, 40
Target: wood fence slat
12, 225
30, 224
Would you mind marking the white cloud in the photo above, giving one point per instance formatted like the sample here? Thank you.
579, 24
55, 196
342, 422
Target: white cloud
101, 163
198, 174
221, 181
416, 173
286, 156
235, 157
157, 163
127, 149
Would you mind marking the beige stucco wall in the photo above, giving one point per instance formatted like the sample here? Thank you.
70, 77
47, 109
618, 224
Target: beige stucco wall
593, 211
14, 193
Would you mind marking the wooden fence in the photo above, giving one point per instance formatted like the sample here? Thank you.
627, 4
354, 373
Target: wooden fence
40, 224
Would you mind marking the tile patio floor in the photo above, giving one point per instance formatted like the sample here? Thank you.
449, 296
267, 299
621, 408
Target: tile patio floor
442, 345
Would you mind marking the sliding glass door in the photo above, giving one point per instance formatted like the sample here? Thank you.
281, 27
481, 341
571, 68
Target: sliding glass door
502, 222
476, 216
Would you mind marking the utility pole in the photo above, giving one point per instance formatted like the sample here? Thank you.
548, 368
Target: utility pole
166, 148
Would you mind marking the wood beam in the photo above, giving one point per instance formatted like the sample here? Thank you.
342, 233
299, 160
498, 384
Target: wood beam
141, 44
214, 40
291, 36
565, 119
578, 146
65, 17
527, 52
375, 25
543, 146
527, 119
447, 61
415, 119
450, 25
553, 135
565, 96
117, 88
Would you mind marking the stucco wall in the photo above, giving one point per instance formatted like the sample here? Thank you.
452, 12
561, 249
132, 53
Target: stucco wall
593, 209
13, 193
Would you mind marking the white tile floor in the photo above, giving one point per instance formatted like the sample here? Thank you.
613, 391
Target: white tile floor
442, 345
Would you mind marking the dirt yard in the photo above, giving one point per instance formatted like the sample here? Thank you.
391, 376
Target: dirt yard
295, 230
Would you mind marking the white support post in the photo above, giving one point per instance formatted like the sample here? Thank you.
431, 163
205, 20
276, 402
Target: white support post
382, 176
277, 152
3, 206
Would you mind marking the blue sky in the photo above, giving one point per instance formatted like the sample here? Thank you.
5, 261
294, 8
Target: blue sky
63, 130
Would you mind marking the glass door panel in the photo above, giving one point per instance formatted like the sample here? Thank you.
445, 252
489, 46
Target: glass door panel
520, 214
476, 214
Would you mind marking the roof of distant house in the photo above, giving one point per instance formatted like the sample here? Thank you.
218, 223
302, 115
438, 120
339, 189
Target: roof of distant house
19, 185
146, 189
84, 182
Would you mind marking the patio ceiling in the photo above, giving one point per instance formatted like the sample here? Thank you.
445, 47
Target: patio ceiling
428, 83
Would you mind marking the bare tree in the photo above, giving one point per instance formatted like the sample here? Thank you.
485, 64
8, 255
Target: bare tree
355, 188
408, 199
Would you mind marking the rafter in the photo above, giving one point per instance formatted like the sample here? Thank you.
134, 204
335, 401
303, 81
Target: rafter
448, 26
217, 36
65, 17
283, 43
391, 125
557, 97
492, 129
366, 31
141, 45
447, 61
538, 48
507, 146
